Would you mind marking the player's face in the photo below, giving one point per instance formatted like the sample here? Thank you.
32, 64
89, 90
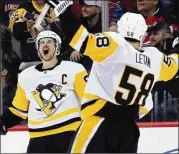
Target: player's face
47, 49
90, 11
156, 37
143, 5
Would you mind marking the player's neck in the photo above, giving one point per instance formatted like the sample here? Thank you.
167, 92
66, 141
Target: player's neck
49, 64
135, 44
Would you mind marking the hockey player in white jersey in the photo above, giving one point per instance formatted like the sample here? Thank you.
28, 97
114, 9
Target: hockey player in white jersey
120, 82
48, 95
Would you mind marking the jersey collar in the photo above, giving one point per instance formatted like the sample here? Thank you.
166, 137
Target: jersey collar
39, 67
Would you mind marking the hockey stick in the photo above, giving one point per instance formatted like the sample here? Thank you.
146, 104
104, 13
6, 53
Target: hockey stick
41, 18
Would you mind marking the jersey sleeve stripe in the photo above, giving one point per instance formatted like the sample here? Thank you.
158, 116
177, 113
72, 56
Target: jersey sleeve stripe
20, 101
18, 113
79, 38
169, 70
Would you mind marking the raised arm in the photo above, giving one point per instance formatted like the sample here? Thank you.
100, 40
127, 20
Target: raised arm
97, 46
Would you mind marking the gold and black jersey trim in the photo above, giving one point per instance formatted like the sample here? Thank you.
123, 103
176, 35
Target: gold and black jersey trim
86, 133
91, 108
106, 109
88, 104
55, 126
12, 106
70, 125
169, 67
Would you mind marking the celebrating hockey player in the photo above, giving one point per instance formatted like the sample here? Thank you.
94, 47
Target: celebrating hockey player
48, 95
120, 81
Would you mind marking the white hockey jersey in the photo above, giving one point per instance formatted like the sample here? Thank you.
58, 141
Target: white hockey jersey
50, 98
121, 75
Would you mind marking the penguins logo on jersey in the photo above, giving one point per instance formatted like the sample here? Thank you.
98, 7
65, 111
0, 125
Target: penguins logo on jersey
47, 95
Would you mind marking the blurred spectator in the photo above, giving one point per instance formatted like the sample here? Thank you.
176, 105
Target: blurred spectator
7, 7
6, 46
160, 36
172, 8
91, 15
22, 25
91, 19
115, 10
152, 11
5, 38
9, 81
76, 8
127, 5
176, 11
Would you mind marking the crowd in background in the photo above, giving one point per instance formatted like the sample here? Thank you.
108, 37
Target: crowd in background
18, 35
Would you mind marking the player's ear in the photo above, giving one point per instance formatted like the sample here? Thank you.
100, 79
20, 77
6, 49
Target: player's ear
57, 52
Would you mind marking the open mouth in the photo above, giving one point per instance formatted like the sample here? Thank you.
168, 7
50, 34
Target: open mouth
45, 51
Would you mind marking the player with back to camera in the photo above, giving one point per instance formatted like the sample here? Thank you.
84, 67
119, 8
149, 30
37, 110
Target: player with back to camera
120, 81
49, 95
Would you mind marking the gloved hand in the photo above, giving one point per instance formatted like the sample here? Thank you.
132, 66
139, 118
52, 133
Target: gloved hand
3, 129
59, 6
